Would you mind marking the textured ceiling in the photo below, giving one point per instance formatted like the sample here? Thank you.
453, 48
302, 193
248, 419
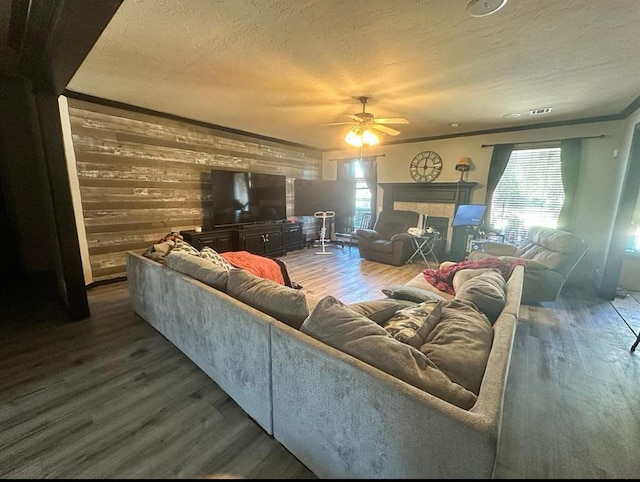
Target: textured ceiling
283, 68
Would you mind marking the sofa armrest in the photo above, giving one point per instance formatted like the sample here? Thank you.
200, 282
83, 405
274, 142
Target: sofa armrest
368, 234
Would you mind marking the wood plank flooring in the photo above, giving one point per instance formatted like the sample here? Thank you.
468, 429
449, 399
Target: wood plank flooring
109, 397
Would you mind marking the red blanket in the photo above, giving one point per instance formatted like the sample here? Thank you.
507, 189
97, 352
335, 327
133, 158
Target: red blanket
442, 278
256, 264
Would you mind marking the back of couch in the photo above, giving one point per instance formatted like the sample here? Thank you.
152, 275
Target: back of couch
227, 339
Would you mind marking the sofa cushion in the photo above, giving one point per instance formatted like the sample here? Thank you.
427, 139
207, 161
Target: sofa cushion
460, 344
410, 293
283, 303
215, 257
377, 310
412, 325
486, 291
419, 281
198, 268
334, 323
182, 245
466, 274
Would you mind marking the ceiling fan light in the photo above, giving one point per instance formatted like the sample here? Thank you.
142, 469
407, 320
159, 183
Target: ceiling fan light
359, 136
354, 138
369, 138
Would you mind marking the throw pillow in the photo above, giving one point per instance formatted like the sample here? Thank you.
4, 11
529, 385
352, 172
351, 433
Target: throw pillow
378, 310
410, 293
283, 303
198, 268
487, 292
335, 324
213, 256
181, 245
412, 325
460, 344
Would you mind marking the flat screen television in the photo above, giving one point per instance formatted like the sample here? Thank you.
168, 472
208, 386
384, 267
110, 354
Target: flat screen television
469, 215
311, 196
247, 197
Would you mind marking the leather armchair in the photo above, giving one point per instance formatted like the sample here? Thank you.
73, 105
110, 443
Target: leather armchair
388, 241
550, 256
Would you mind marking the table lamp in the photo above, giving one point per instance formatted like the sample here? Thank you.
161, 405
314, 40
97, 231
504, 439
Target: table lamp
463, 165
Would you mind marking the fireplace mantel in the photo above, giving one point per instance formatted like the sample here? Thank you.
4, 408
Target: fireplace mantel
426, 192
433, 192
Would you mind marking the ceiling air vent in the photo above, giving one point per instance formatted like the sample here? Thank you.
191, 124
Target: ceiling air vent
546, 110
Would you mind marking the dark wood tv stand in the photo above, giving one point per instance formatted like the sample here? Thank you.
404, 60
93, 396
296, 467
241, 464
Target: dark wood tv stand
269, 239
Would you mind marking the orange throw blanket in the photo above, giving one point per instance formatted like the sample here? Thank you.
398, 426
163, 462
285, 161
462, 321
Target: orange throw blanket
258, 265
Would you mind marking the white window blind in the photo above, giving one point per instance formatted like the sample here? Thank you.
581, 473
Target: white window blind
529, 193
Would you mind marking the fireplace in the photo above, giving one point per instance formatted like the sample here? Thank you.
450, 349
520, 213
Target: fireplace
433, 199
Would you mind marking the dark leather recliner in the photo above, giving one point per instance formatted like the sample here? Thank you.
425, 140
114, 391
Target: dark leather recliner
388, 241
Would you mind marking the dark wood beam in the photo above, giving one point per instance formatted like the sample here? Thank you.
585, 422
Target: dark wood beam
52, 39
59, 35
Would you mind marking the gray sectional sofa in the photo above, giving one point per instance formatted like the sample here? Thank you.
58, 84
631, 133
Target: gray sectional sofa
341, 394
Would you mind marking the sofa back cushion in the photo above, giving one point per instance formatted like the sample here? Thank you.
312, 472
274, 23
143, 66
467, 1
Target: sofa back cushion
283, 303
199, 268
486, 290
378, 310
334, 323
393, 221
460, 344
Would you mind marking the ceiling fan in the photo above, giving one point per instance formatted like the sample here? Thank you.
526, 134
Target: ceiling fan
363, 123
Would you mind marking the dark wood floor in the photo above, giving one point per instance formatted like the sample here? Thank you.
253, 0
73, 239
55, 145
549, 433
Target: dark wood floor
108, 397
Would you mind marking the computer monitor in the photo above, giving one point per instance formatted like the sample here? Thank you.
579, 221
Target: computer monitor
469, 215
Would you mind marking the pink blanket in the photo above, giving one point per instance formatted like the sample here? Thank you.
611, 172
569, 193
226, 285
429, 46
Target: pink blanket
442, 278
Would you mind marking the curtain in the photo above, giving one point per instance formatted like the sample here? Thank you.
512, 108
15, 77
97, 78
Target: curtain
346, 170
570, 154
369, 165
499, 161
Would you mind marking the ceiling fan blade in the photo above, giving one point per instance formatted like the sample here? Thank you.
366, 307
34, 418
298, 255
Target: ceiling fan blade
351, 123
355, 117
391, 120
385, 129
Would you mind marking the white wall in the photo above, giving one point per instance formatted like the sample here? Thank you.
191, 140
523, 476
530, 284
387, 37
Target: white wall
598, 187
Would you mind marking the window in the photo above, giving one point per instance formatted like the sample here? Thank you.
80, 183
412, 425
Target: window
363, 195
530, 193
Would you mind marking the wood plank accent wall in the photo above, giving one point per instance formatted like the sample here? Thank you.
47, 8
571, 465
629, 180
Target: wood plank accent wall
142, 175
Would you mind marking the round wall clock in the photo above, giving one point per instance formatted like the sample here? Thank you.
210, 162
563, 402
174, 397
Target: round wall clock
425, 167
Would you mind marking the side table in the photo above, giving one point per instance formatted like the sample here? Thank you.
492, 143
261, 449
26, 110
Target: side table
424, 245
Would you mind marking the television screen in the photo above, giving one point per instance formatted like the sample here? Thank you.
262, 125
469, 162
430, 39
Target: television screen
247, 197
314, 196
469, 215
